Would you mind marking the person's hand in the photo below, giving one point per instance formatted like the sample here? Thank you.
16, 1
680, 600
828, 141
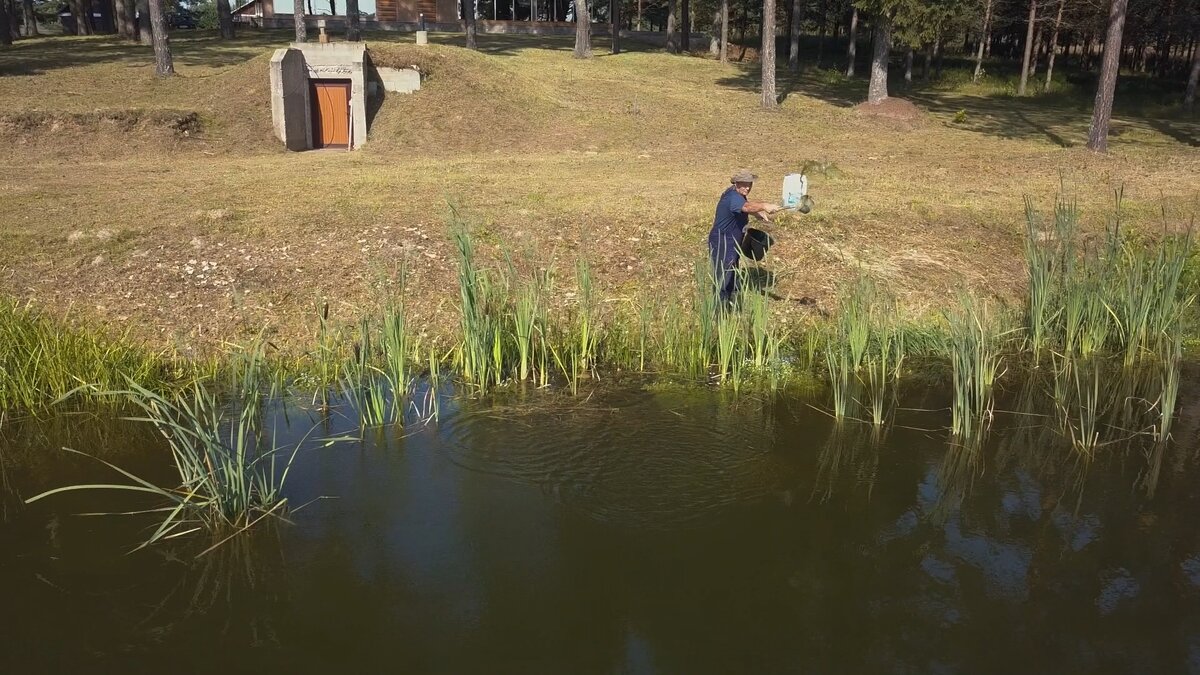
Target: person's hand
772, 208
763, 217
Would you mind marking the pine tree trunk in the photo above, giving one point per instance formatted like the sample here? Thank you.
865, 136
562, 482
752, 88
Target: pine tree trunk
1189, 96
852, 50
672, 38
5, 31
767, 55
119, 18
685, 21
1054, 45
714, 33
724, 31
1037, 54
298, 21
821, 36
85, 18
639, 15
1028, 47
908, 65
743, 23
145, 32
1109, 66
353, 22
877, 91
130, 19
614, 14
468, 13
76, 7
984, 38
794, 45
31, 27
163, 65
225, 19
583, 30
938, 58
1162, 51
927, 66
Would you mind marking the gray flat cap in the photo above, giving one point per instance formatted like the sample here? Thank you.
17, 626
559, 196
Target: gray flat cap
743, 176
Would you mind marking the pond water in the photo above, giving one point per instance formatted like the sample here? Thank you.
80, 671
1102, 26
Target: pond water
634, 529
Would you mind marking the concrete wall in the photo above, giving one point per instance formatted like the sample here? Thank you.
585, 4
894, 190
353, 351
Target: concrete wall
290, 111
399, 80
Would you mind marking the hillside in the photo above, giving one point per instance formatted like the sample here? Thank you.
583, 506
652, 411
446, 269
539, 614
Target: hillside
189, 239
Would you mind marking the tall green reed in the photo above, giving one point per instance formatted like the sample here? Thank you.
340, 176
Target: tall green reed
528, 312
480, 353
327, 358
364, 385
1078, 398
975, 358
228, 482
587, 330
1169, 378
1149, 297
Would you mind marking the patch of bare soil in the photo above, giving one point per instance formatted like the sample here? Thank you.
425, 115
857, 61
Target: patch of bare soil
896, 109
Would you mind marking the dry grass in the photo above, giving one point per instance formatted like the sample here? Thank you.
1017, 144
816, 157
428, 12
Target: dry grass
191, 240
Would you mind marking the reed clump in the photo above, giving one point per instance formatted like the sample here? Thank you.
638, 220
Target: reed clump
228, 479
42, 360
1124, 295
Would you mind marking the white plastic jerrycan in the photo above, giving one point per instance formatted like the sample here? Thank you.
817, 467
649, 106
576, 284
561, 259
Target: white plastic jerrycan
795, 187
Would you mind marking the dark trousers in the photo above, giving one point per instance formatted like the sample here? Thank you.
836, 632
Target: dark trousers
725, 256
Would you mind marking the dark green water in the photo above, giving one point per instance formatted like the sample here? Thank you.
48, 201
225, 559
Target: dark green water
631, 531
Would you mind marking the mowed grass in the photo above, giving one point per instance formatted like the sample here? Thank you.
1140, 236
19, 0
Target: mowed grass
190, 242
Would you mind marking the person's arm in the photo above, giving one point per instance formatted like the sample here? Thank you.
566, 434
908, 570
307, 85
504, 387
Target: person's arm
760, 207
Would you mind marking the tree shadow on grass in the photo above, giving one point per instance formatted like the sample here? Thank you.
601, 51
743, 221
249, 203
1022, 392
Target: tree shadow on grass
188, 48
825, 85
1176, 131
512, 44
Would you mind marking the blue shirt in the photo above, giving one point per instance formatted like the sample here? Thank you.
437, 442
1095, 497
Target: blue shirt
729, 220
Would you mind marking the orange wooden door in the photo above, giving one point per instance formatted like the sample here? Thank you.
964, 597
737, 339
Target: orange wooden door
331, 114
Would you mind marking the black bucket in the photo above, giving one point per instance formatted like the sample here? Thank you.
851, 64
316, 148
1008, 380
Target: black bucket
756, 243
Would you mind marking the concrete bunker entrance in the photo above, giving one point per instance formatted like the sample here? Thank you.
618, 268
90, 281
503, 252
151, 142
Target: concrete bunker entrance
319, 95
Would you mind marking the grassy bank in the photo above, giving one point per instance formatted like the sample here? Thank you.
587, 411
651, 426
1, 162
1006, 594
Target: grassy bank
1124, 298
189, 242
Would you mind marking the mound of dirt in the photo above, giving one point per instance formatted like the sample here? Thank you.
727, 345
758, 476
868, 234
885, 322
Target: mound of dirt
467, 100
181, 122
891, 108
